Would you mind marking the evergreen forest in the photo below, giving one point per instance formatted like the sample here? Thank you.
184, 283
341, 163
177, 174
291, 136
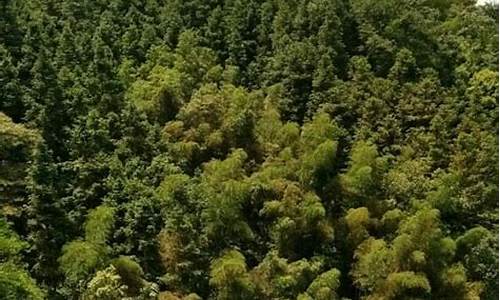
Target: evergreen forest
249, 150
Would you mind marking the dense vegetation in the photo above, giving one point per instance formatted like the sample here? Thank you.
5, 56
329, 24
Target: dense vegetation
248, 149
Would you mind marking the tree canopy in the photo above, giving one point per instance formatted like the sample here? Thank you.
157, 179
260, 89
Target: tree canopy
248, 149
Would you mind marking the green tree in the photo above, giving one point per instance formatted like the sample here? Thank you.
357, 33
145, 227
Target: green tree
228, 274
418, 261
15, 281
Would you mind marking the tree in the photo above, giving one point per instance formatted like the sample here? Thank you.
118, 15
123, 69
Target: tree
17, 149
105, 284
361, 181
15, 281
477, 249
324, 286
248, 149
228, 274
418, 261
81, 258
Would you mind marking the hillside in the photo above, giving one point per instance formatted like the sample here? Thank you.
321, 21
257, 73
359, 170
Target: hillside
248, 149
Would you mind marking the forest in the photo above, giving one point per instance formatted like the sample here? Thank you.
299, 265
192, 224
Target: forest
248, 150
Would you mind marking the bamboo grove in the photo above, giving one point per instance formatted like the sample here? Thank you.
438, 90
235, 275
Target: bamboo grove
248, 149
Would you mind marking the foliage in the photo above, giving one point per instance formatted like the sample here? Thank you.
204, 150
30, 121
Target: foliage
228, 274
105, 284
15, 281
248, 149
